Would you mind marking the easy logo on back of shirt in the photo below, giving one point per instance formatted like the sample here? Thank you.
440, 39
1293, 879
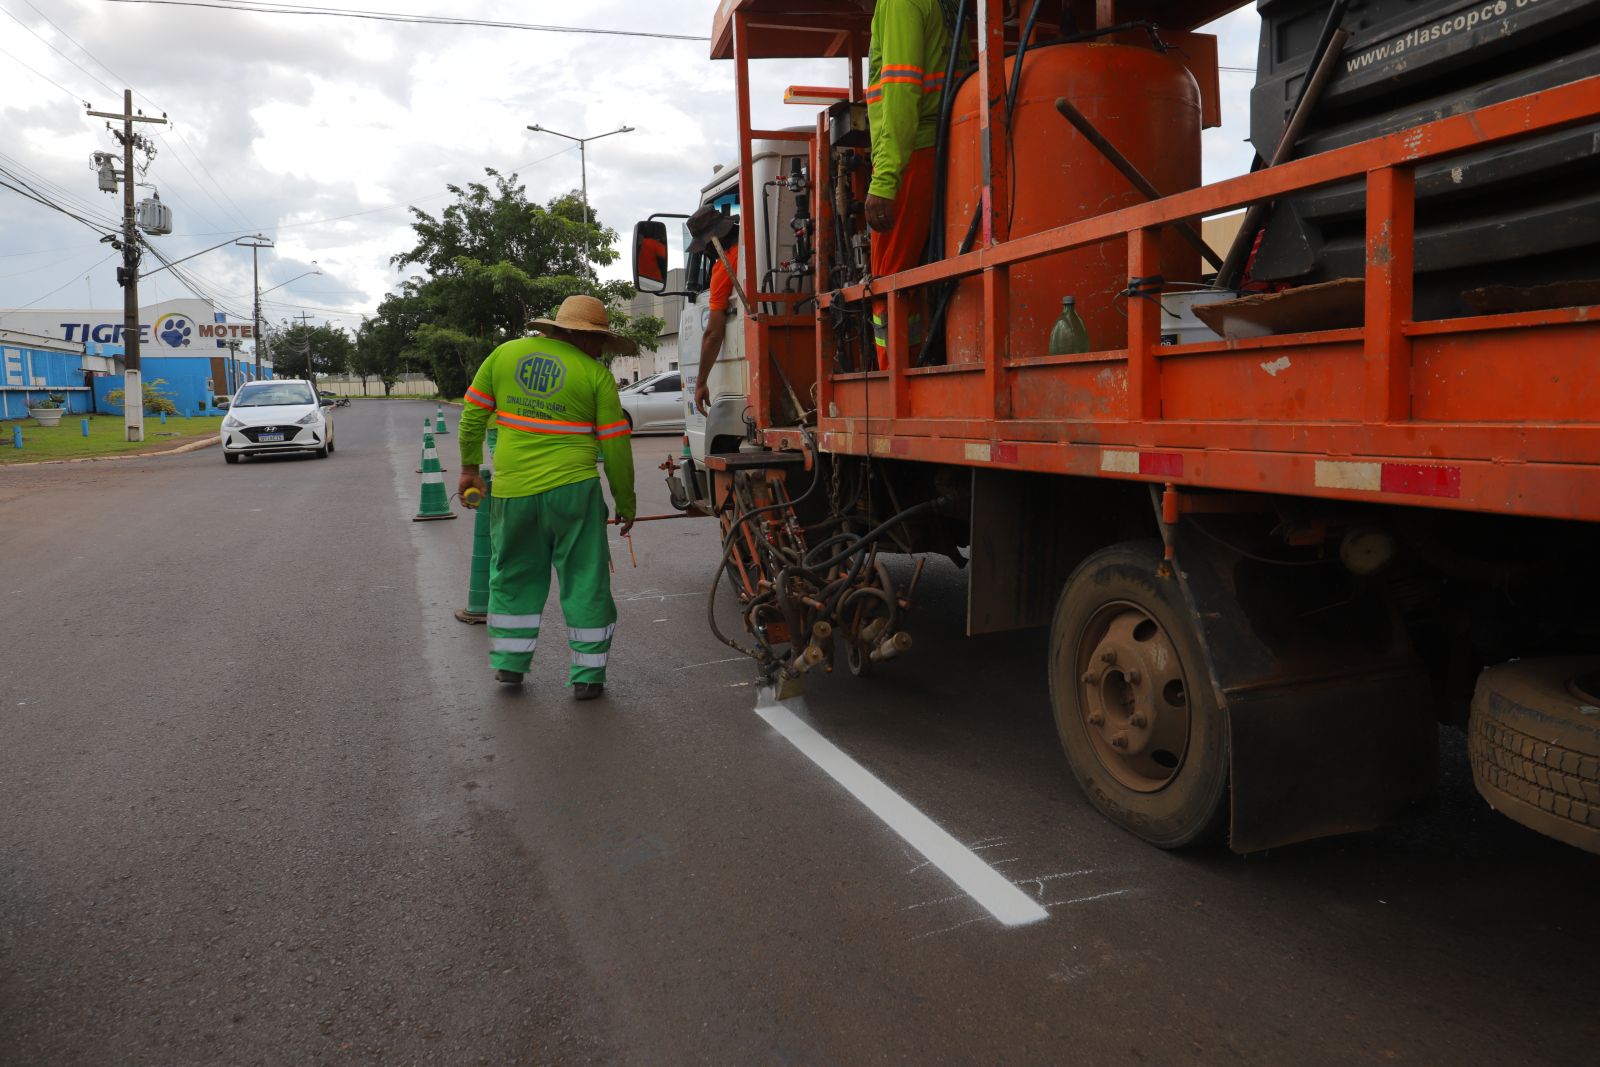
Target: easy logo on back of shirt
541, 375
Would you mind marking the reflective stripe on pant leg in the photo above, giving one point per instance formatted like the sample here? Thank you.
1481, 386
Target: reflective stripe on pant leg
519, 580
582, 558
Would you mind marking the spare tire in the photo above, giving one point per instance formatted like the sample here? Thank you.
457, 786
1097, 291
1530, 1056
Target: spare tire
1534, 741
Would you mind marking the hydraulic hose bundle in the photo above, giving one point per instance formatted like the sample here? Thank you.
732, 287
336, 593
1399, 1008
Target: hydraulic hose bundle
795, 597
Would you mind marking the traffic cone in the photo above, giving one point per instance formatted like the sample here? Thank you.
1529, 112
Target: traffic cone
435, 504
438, 416
427, 446
477, 610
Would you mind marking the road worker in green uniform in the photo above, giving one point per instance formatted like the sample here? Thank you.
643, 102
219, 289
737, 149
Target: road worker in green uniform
905, 71
556, 406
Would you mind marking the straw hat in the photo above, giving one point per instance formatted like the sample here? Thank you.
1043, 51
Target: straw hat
585, 314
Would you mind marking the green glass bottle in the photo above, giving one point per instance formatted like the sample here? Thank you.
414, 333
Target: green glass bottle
1069, 335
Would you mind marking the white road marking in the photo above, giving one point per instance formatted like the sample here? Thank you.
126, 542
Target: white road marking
988, 887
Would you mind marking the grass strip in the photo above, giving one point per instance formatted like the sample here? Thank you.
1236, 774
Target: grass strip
106, 437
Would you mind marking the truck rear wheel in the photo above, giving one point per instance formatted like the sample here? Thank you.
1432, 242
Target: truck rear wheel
1534, 739
1133, 703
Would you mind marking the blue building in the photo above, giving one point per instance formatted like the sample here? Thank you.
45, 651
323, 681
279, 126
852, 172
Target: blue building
193, 382
189, 352
34, 368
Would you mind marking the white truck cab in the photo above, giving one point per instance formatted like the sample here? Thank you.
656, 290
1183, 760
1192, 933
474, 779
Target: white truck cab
779, 266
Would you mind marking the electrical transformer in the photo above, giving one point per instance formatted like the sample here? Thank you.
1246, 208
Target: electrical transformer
154, 216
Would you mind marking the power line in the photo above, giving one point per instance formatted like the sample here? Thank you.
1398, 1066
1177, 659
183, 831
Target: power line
70, 281
42, 186
107, 68
56, 50
238, 214
30, 193
44, 251
76, 96
396, 16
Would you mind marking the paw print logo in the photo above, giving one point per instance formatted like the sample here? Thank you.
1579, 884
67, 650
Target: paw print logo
175, 332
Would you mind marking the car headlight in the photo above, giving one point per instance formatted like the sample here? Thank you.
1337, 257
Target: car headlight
309, 419
231, 423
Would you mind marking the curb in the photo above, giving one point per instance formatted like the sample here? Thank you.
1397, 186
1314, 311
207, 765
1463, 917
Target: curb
192, 446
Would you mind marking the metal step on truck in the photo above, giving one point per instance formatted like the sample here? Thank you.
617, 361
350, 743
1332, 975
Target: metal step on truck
1296, 503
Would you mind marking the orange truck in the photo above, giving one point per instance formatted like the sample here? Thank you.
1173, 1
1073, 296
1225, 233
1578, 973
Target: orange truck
1295, 506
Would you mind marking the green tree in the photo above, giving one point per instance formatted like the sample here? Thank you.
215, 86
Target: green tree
493, 260
380, 352
303, 351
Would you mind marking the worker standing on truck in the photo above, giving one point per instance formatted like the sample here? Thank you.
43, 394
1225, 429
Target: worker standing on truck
905, 84
561, 405
705, 225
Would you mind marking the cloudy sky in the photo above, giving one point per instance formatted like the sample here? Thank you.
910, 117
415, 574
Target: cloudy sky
318, 132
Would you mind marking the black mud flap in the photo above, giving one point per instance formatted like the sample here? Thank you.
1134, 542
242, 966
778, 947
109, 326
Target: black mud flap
1330, 720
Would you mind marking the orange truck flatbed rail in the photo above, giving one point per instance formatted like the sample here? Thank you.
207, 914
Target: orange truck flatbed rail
1493, 413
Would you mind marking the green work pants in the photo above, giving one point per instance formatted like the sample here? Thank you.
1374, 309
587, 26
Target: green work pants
564, 528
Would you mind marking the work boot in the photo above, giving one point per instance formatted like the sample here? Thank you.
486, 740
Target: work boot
587, 690
508, 677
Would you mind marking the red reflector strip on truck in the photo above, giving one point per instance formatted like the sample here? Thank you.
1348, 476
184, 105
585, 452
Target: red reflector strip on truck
1410, 479
1159, 464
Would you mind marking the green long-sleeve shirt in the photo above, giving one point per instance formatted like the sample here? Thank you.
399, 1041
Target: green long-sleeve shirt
555, 407
905, 82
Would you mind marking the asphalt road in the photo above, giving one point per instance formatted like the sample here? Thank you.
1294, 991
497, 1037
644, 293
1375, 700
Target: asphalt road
264, 804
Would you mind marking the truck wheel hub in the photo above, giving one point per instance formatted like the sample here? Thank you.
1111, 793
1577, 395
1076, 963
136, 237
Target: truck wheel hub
1134, 698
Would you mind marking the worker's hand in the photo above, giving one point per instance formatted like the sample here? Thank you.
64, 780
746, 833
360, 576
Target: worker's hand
702, 396
626, 525
471, 479
880, 212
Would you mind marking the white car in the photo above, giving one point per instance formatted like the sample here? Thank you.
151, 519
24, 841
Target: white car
277, 415
655, 404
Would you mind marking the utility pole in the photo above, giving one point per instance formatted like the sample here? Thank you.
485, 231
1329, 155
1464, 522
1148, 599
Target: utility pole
583, 172
128, 273
255, 269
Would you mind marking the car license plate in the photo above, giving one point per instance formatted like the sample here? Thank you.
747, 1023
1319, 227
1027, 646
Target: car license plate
268, 438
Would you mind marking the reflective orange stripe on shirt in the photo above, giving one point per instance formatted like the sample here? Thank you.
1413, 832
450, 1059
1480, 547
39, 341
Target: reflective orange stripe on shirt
615, 429
527, 425
483, 400
931, 83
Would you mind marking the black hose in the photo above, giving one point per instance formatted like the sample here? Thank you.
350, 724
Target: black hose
941, 147
947, 289
837, 588
1011, 109
728, 542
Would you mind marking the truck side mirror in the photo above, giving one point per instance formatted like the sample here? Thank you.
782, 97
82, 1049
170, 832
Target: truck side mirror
650, 256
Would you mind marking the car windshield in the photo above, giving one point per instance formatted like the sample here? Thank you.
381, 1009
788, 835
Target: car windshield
275, 395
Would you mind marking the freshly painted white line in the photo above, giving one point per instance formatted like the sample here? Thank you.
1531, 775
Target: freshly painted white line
991, 889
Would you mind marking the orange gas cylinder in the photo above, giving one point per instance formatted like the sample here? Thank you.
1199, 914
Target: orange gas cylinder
1148, 106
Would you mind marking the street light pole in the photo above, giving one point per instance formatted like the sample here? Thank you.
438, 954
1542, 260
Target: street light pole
583, 172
